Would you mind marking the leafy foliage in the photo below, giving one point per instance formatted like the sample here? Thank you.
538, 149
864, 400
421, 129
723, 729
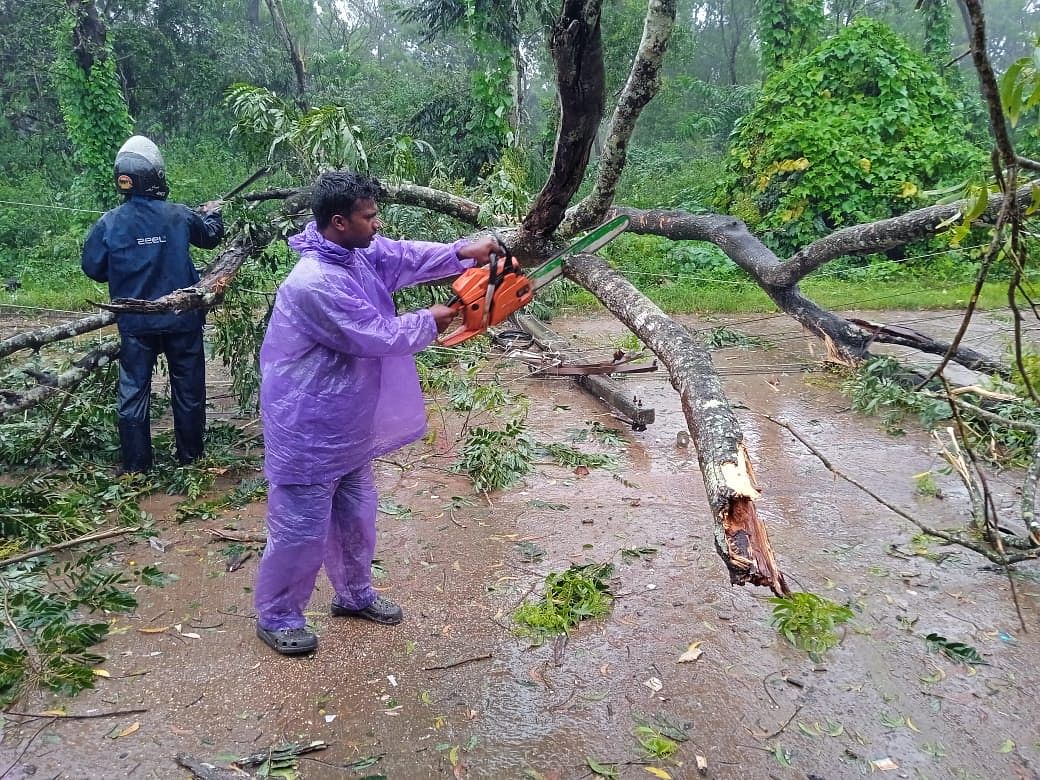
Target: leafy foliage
955, 651
44, 638
315, 140
882, 386
495, 459
851, 133
808, 621
573, 595
722, 336
95, 112
568, 456
788, 30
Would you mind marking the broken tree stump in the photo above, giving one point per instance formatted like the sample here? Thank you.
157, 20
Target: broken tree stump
604, 388
741, 538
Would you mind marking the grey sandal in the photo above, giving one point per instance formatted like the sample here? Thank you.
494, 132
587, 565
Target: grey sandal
289, 641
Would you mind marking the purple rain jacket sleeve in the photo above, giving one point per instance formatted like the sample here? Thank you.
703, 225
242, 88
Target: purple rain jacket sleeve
338, 380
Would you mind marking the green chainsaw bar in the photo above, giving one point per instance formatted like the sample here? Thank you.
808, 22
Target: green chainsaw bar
593, 240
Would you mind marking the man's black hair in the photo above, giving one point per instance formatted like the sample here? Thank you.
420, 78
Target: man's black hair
336, 192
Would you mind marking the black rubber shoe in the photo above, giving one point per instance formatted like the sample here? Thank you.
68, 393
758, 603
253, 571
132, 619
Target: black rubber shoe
289, 641
382, 611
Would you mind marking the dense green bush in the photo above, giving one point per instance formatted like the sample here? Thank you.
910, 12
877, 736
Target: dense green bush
851, 133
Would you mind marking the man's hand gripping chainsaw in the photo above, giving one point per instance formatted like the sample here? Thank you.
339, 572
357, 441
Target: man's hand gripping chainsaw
488, 294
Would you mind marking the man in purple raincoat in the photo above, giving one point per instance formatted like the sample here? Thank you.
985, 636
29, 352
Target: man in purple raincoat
339, 388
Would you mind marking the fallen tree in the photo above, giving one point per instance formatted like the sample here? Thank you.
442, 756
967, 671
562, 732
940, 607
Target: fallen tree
740, 535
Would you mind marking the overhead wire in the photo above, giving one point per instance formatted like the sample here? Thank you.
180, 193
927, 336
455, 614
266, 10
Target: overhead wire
48, 206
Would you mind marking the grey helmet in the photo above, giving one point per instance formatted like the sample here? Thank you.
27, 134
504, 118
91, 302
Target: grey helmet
140, 170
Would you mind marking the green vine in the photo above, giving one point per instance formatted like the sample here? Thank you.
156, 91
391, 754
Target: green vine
94, 110
852, 133
936, 17
788, 30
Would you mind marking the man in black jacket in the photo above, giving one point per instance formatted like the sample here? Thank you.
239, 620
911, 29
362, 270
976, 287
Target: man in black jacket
141, 249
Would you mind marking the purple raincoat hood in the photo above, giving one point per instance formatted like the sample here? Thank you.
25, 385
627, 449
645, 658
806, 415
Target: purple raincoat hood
311, 240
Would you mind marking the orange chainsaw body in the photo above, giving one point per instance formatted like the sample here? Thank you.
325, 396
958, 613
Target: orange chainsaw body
509, 291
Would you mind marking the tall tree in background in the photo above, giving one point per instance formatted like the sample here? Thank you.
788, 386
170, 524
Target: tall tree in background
787, 31
281, 26
937, 44
91, 99
493, 29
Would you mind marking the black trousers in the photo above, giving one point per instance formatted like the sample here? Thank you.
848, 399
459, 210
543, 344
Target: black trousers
187, 363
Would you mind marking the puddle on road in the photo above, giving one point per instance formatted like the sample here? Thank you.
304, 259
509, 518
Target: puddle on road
373, 692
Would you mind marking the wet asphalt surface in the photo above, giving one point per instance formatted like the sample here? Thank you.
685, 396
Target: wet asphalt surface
453, 692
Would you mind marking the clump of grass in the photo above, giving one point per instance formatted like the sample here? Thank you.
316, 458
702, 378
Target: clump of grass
571, 596
655, 744
659, 735
611, 437
808, 621
925, 485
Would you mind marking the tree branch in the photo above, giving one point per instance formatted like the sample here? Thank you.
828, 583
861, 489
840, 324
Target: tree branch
94, 537
953, 538
35, 339
741, 538
886, 234
643, 82
11, 402
208, 292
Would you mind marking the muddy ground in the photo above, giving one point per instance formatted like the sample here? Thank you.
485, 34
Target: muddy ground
753, 706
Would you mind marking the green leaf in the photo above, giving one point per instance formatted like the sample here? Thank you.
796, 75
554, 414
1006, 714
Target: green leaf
956, 651
602, 770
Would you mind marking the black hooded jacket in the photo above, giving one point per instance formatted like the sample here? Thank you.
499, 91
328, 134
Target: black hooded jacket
141, 249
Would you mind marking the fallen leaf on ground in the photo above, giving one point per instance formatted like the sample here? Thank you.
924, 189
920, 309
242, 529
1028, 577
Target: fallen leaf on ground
702, 765
154, 629
884, 764
192, 635
101, 672
658, 772
693, 652
125, 732
654, 684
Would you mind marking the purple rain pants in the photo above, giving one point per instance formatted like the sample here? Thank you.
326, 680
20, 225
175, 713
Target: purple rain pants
307, 525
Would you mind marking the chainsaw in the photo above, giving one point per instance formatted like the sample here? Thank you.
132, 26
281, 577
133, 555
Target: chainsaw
488, 294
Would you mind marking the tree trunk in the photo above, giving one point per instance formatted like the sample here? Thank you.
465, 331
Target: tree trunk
577, 50
88, 34
643, 82
740, 535
280, 26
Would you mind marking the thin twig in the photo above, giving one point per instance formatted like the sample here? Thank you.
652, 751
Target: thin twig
50, 426
939, 534
85, 716
94, 537
452, 665
25, 748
